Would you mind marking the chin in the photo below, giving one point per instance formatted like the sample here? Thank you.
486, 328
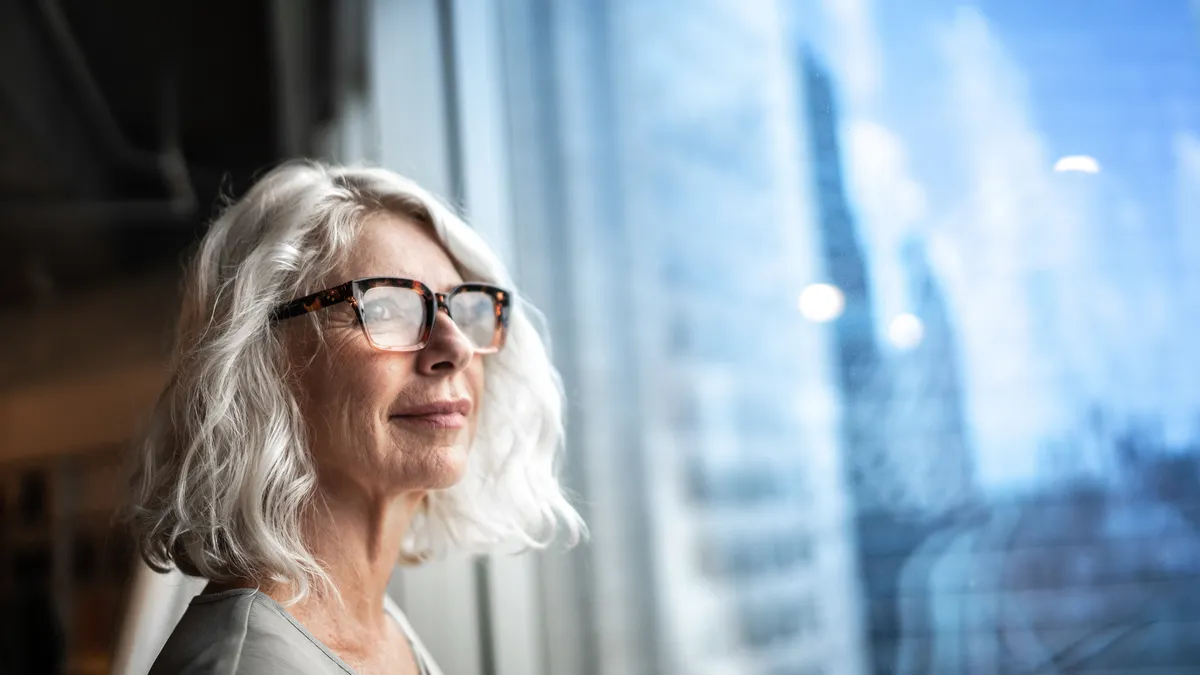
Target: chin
443, 468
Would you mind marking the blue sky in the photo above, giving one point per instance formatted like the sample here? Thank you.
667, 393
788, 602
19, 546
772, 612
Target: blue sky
1065, 287
1111, 78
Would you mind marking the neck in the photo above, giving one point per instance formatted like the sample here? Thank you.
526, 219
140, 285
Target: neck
356, 538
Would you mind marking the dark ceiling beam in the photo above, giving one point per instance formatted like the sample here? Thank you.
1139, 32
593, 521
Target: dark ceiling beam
65, 50
47, 148
31, 215
94, 110
168, 163
64, 116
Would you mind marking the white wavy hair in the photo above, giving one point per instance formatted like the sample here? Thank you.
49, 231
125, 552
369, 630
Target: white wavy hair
223, 476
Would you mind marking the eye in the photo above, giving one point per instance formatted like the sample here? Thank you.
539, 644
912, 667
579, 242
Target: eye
383, 309
471, 310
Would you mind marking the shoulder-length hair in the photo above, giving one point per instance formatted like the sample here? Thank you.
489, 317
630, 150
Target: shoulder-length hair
223, 476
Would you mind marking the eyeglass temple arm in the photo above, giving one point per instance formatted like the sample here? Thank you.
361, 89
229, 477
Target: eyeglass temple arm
314, 302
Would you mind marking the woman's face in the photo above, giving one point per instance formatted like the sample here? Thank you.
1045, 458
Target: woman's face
368, 410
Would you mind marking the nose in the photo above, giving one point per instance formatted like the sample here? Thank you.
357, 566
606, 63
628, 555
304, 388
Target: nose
448, 350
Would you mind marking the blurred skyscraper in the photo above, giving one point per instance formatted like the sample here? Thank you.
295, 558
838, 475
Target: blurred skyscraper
862, 384
902, 428
925, 427
760, 578
861, 378
680, 236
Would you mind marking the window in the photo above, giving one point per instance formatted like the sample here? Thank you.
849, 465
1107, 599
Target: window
992, 418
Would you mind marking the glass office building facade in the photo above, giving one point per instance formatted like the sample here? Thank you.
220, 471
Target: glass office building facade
864, 392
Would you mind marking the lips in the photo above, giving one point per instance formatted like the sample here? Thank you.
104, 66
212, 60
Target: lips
445, 414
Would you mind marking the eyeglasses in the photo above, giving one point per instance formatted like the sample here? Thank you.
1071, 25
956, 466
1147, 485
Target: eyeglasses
399, 314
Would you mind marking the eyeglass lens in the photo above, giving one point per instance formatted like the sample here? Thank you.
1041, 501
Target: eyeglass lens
394, 317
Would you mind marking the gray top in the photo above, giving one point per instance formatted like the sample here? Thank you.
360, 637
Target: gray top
245, 632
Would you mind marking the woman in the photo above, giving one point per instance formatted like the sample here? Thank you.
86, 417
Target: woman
353, 384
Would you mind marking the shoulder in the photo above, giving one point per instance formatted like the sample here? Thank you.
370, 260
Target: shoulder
242, 632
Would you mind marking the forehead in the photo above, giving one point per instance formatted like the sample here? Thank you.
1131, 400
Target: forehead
390, 245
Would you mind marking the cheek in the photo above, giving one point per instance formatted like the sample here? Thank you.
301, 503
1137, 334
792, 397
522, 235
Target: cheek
373, 385
329, 407
346, 391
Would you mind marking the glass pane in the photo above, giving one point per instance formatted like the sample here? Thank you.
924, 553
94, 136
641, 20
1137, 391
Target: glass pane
879, 322
475, 314
393, 316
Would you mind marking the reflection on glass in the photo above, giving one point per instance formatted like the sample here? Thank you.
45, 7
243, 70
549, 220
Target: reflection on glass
1010, 478
905, 331
822, 302
1080, 163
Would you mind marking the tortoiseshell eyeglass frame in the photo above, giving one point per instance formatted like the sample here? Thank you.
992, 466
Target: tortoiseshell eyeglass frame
354, 290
